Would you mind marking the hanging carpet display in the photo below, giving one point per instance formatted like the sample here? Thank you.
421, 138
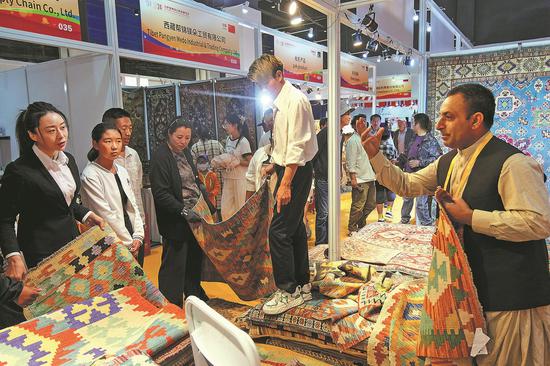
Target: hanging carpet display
238, 247
92, 264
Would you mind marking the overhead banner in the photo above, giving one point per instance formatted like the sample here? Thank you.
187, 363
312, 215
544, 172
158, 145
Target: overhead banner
59, 18
354, 73
174, 30
301, 62
394, 87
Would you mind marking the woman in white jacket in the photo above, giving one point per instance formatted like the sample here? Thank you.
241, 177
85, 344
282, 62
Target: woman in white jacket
106, 188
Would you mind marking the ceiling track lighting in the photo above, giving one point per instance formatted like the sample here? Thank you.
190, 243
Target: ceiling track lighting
310, 33
292, 7
369, 20
357, 39
429, 28
415, 16
295, 13
373, 45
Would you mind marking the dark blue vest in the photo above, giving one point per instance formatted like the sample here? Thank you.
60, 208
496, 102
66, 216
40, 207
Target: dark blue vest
508, 275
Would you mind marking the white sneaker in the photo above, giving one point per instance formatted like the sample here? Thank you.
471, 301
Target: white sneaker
389, 215
306, 292
282, 301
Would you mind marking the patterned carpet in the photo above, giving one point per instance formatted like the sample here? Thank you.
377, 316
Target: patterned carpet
520, 81
100, 328
452, 311
238, 247
394, 338
90, 265
394, 247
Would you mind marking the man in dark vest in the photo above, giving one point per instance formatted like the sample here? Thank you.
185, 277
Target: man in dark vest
505, 213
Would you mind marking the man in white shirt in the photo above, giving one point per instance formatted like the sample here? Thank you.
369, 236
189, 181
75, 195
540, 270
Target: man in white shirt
363, 190
129, 159
294, 146
267, 125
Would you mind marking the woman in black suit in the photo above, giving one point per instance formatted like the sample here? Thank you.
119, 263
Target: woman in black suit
175, 192
41, 186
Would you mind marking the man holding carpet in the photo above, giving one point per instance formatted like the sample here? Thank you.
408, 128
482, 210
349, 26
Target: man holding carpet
294, 146
496, 194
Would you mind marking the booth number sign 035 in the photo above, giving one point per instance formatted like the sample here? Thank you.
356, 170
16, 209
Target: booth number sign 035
59, 18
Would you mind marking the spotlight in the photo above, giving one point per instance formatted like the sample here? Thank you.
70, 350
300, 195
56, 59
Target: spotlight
357, 39
310, 33
429, 28
366, 54
244, 8
136, 12
379, 59
369, 20
318, 94
266, 99
296, 18
292, 7
415, 16
372, 45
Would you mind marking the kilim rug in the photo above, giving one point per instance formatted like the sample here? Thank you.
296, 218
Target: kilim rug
392, 247
134, 357
275, 356
394, 337
452, 311
231, 311
179, 354
92, 264
334, 358
96, 329
238, 247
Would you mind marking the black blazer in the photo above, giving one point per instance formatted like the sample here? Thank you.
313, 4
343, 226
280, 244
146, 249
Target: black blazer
166, 187
45, 223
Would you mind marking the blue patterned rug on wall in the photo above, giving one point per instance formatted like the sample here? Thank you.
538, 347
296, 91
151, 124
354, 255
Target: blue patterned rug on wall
520, 81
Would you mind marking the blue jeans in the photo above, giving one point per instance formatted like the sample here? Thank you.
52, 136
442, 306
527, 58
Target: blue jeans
423, 211
408, 204
321, 208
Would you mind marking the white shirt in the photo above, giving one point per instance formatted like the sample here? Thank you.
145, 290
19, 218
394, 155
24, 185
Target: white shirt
100, 193
357, 160
254, 174
294, 138
265, 139
132, 163
237, 148
60, 172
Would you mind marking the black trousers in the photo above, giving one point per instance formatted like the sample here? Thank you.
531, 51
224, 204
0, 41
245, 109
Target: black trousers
287, 233
180, 270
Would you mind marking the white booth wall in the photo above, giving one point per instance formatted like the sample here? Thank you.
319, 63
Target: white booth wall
80, 87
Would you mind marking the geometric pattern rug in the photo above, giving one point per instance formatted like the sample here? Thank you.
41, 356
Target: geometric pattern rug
92, 264
99, 328
452, 313
392, 247
394, 338
238, 247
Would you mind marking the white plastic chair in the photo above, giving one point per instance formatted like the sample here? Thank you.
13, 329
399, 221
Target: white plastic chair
215, 340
